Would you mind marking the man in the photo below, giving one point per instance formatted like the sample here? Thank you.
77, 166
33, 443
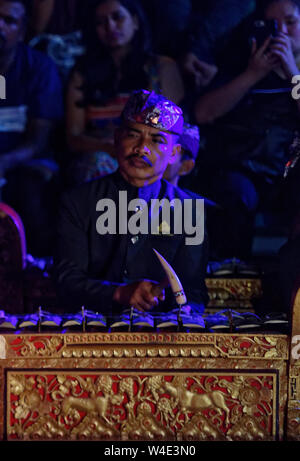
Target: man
184, 161
32, 106
178, 173
118, 269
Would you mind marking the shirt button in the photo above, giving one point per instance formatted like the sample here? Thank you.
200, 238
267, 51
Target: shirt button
135, 239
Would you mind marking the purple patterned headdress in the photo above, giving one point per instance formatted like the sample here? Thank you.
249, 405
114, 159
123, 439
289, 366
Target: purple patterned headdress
190, 139
153, 110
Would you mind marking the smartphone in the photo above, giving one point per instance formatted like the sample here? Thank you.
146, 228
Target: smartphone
261, 30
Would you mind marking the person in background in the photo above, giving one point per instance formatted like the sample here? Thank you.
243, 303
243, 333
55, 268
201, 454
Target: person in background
250, 119
196, 33
55, 29
57, 17
28, 116
118, 59
179, 171
209, 35
184, 162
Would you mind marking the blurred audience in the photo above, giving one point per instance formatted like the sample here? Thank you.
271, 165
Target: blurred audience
196, 33
249, 119
209, 34
118, 59
58, 17
181, 48
28, 115
55, 29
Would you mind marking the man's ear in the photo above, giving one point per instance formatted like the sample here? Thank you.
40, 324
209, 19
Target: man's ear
186, 167
176, 152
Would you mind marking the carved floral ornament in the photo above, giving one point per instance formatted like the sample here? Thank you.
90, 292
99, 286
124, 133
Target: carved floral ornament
62, 405
137, 345
241, 290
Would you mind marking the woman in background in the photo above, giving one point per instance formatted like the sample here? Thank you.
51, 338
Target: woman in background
250, 120
117, 60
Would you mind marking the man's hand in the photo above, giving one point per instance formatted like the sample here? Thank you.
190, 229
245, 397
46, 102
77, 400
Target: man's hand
281, 47
262, 61
139, 295
199, 71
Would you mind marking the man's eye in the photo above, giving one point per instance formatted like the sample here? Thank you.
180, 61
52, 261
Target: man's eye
130, 134
117, 16
291, 21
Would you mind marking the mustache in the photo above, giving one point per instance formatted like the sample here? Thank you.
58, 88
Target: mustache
141, 157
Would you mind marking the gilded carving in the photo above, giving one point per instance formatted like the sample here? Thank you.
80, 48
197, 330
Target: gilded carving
258, 346
248, 429
87, 396
35, 346
199, 428
63, 405
67, 346
293, 411
238, 292
293, 424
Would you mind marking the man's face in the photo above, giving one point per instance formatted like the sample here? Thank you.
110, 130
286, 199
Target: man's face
287, 15
11, 25
173, 170
144, 152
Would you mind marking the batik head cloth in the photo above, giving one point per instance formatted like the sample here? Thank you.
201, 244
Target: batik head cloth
190, 139
153, 110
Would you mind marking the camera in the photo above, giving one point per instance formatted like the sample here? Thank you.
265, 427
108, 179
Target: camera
261, 30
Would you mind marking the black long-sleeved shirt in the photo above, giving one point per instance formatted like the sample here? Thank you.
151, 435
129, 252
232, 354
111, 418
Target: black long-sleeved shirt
89, 266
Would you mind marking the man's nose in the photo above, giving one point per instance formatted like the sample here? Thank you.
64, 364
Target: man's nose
110, 25
282, 27
141, 146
